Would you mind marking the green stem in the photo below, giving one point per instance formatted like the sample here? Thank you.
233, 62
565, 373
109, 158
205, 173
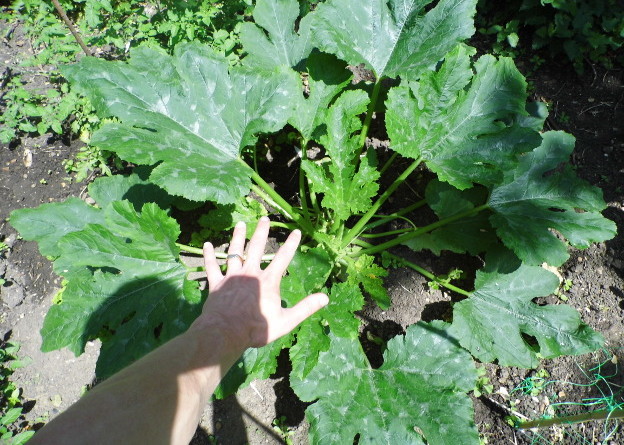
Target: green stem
388, 163
429, 275
578, 418
369, 116
417, 268
189, 249
270, 201
195, 269
303, 196
384, 219
275, 197
381, 235
218, 255
359, 226
408, 236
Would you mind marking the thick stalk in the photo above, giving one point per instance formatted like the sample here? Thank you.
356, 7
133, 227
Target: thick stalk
303, 196
382, 234
388, 163
384, 219
359, 226
578, 418
260, 192
218, 255
369, 116
408, 236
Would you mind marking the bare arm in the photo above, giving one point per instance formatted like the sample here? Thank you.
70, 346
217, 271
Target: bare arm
160, 398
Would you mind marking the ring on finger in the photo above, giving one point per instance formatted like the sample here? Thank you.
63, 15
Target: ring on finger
235, 255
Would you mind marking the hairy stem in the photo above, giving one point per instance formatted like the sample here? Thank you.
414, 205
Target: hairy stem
578, 418
384, 219
417, 268
382, 234
429, 275
71, 27
369, 116
388, 163
359, 226
303, 196
218, 255
415, 233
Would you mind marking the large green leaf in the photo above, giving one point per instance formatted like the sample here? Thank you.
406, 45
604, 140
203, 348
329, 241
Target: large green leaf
124, 277
368, 274
187, 112
48, 223
327, 76
495, 322
282, 46
472, 233
392, 37
455, 124
544, 193
346, 190
337, 317
421, 385
307, 273
134, 188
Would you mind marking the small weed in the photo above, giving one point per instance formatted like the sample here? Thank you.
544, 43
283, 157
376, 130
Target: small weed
280, 426
534, 385
10, 397
564, 118
483, 386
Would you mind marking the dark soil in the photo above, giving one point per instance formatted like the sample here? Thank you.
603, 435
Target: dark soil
591, 107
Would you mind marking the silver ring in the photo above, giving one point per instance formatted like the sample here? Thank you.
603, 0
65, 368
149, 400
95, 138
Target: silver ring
234, 255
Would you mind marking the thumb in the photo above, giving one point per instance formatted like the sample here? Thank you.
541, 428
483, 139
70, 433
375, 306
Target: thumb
302, 310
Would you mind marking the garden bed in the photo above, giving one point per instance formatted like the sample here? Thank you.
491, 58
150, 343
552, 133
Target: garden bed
591, 107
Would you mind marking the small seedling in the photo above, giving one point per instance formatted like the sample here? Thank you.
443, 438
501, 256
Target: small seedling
281, 427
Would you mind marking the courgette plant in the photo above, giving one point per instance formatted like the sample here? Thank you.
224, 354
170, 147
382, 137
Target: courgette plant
501, 189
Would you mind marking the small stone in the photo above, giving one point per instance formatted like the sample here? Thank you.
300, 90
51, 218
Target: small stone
89, 200
218, 426
591, 99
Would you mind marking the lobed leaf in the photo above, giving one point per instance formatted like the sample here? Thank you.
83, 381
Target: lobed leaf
473, 234
188, 113
327, 77
134, 188
494, 322
544, 193
392, 37
338, 318
454, 121
281, 45
421, 385
124, 276
364, 272
346, 190
48, 223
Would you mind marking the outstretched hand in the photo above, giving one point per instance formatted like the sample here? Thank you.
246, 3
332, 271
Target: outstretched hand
246, 300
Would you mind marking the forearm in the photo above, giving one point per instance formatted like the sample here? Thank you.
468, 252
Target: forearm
158, 399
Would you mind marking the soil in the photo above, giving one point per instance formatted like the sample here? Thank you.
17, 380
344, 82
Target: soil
590, 106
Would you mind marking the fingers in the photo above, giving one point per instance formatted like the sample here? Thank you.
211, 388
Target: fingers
285, 254
255, 248
302, 310
213, 272
237, 246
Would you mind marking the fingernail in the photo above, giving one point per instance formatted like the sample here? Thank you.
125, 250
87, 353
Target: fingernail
264, 218
323, 300
207, 245
240, 224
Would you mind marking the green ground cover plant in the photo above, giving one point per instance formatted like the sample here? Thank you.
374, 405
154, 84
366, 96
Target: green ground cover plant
10, 397
500, 189
109, 29
583, 30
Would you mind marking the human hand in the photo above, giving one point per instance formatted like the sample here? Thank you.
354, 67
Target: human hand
246, 300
